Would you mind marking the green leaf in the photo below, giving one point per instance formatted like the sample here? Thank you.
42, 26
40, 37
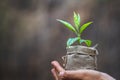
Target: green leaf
68, 25
76, 20
81, 41
84, 26
87, 42
79, 19
72, 40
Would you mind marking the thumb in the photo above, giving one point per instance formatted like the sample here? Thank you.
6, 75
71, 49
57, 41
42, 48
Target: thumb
57, 66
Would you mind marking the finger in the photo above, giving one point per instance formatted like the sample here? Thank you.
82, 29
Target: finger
57, 66
75, 75
54, 74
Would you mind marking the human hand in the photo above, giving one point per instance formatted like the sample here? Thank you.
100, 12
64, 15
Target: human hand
84, 74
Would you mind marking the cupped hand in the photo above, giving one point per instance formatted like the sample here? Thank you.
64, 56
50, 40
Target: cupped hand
83, 74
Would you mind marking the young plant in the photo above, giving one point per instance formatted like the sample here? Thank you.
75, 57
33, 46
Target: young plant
77, 29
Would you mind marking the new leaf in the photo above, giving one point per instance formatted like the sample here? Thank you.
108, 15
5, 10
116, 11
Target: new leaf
76, 20
68, 25
84, 26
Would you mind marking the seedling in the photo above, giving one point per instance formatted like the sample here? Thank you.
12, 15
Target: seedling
77, 29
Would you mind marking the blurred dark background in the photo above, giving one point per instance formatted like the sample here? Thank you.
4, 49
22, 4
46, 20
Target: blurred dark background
30, 36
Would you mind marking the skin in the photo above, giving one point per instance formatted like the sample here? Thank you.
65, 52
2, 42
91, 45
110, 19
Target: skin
60, 74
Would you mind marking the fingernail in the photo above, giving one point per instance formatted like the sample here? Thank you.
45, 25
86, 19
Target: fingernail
61, 74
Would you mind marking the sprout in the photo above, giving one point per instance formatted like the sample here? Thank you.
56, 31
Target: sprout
77, 29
